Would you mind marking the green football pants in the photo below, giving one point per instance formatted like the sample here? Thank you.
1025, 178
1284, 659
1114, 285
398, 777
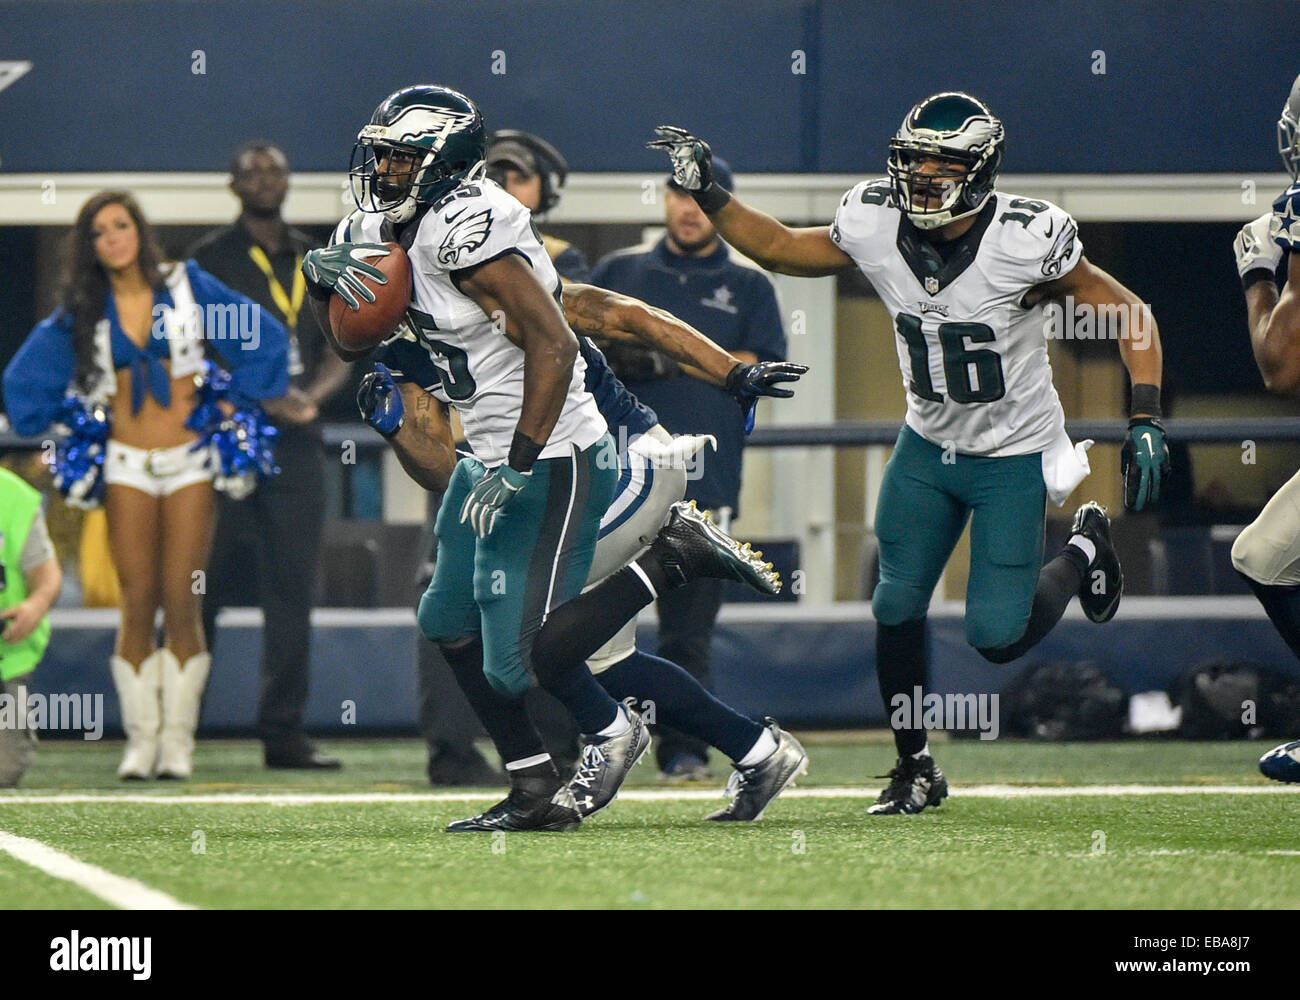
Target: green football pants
925, 498
536, 558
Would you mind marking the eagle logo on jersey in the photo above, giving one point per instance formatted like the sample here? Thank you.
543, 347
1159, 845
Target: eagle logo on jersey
468, 234
1061, 250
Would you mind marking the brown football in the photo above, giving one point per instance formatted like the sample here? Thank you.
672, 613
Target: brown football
365, 328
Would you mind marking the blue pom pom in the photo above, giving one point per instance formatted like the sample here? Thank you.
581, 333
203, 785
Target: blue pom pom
244, 443
79, 457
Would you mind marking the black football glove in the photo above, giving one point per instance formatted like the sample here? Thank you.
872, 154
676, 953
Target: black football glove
748, 382
1144, 462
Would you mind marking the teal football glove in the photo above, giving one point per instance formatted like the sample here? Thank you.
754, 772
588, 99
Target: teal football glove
341, 267
489, 497
1144, 462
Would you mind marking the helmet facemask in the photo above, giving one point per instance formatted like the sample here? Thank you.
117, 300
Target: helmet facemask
392, 192
967, 148
398, 194
1288, 141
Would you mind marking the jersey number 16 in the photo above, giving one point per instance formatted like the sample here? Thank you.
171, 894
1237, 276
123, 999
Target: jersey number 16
973, 376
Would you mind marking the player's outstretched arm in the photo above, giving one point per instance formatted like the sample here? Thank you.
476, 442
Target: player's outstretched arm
606, 315
506, 287
1275, 330
805, 253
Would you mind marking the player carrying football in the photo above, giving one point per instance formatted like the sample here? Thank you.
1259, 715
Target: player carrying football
518, 524
965, 272
1267, 553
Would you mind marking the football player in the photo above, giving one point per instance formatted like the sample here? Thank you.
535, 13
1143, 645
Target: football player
1267, 553
518, 525
966, 273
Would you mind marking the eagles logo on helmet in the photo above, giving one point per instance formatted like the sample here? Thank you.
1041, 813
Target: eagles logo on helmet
962, 134
435, 133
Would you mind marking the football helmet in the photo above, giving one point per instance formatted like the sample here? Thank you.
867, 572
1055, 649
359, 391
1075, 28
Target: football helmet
510, 149
1288, 132
428, 139
962, 134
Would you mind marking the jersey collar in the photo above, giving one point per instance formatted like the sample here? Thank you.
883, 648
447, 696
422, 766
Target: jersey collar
930, 269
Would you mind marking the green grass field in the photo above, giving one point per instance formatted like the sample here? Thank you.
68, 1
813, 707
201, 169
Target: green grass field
300, 843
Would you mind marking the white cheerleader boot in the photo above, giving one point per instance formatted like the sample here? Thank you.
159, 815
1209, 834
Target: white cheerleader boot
182, 692
138, 695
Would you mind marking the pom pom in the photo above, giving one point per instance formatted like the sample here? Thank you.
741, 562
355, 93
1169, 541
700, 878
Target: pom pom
242, 444
79, 457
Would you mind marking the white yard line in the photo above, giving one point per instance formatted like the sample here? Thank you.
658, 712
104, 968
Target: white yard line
124, 893
632, 795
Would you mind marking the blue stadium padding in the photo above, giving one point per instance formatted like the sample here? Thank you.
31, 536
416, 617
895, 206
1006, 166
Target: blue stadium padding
801, 665
775, 85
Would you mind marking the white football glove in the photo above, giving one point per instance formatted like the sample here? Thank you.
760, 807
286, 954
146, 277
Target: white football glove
1255, 249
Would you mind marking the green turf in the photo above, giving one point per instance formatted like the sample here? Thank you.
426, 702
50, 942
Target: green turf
1163, 851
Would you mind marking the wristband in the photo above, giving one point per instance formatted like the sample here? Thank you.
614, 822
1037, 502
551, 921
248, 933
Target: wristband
1146, 399
1255, 275
712, 198
523, 452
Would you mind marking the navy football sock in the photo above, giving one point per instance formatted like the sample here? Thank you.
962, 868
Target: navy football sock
505, 719
571, 682
1058, 582
1283, 607
681, 702
902, 661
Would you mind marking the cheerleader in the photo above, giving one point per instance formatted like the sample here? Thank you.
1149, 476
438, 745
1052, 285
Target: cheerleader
130, 343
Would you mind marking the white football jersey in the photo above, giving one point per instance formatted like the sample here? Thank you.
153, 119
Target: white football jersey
482, 372
974, 360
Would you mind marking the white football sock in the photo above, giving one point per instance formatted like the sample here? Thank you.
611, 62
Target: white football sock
519, 765
619, 726
1084, 545
762, 749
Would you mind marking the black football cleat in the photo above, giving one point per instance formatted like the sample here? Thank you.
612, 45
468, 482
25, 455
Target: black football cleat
1103, 581
534, 804
605, 764
691, 546
753, 788
913, 785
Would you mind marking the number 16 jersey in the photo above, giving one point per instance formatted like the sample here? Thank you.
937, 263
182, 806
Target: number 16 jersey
973, 358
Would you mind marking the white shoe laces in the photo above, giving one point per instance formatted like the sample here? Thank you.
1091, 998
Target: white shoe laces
593, 759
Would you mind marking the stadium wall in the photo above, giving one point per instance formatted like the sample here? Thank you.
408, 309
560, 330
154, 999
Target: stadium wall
785, 87
805, 667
